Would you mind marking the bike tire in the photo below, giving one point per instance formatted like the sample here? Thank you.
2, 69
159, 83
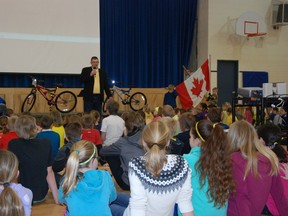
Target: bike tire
28, 103
66, 101
137, 101
104, 107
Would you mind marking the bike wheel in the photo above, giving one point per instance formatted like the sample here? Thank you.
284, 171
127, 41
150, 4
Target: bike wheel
66, 101
137, 101
104, 107
29, 102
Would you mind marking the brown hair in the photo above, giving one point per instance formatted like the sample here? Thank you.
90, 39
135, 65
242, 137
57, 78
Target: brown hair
87, 121
168, 111
186, 121
214, 164
96, 115
9, 200
214, 114
46, 121
112, 107
73, 130
156, 136
25, 127
133, 121
57, 118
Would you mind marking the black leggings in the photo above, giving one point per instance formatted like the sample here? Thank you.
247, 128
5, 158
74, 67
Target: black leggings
117, 171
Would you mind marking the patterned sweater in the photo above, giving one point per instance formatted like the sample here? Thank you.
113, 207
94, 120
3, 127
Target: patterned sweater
152, 195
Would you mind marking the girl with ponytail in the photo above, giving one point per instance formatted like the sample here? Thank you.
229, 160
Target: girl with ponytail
86, 190
14, 198
211, 166
158, 181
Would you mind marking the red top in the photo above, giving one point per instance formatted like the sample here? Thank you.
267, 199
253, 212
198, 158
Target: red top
92, 135
6, 138
252, 193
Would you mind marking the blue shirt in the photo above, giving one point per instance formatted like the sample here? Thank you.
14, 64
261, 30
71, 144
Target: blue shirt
170, 99
201, 203
54, 139
92, 195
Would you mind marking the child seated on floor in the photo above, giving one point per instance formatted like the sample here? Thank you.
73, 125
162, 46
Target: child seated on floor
112, 126
86, 190
14, 198
46, 122
89, 132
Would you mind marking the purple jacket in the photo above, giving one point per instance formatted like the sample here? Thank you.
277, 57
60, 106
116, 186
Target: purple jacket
252, 193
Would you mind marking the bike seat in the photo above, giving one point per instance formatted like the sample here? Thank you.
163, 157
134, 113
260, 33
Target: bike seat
59, 85
126, 91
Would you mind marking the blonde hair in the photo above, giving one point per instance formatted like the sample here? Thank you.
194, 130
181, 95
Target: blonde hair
11, 123
156, 137
243, 137
25, 127
82, 153
10, 204
168, 111
171, 124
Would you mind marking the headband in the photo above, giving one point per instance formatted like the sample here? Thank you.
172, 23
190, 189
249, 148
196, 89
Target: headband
196, 127
89, 159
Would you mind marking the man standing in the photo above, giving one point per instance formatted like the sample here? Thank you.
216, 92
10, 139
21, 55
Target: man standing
95, 83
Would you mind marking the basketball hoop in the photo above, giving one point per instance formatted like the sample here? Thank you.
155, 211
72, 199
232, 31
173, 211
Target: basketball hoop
256, 34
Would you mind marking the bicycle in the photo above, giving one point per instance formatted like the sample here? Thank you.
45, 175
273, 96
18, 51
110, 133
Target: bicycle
64, 102
136, 101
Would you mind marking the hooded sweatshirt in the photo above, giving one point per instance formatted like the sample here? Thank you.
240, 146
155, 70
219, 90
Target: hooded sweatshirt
91, 196
127, 148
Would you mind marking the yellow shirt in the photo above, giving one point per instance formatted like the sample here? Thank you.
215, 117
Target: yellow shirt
96, 88
61, 131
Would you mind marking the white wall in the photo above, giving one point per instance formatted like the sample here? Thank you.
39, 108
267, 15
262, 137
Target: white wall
268, 54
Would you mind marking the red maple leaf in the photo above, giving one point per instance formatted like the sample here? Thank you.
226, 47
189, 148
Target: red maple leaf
197, 89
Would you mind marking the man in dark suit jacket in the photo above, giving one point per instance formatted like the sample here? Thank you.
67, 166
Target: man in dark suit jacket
95, 83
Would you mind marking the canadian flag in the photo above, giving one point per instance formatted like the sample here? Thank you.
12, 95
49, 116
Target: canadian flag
193, 89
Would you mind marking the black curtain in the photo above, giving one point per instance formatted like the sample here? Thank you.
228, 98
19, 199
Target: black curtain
144, 43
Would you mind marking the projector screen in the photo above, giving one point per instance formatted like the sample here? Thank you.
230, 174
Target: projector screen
48, 36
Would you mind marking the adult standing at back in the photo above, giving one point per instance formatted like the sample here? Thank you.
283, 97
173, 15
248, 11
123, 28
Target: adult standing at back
95, 83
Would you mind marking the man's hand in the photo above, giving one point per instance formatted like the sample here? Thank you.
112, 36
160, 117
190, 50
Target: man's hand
93, 72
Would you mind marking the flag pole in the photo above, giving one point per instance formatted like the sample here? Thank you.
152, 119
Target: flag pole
209, 60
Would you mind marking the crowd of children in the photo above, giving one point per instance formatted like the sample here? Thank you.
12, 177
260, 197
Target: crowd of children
159, 157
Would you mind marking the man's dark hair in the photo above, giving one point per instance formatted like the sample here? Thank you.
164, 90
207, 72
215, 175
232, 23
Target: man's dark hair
46, 121
112, 107
73, 130
94, 58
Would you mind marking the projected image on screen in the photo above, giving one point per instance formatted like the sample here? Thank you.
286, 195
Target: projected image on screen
48, 36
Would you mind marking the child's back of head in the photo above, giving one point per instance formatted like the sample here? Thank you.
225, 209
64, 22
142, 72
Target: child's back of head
73, 131
46, 122
112, 107
10, 204
57, 118
87, 121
